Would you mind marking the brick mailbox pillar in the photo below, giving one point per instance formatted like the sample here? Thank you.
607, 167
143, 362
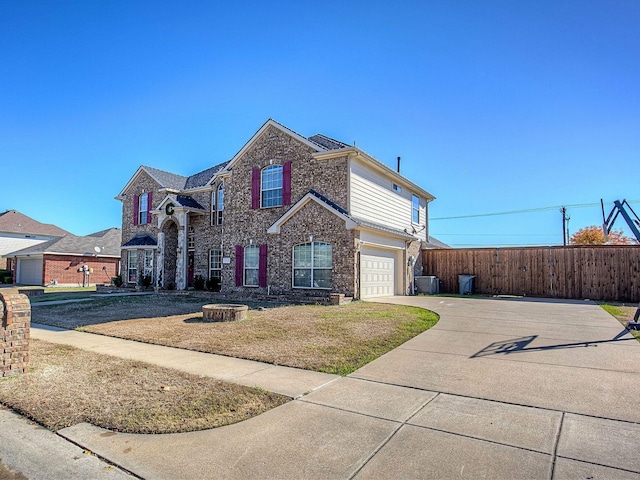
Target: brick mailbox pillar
15, 312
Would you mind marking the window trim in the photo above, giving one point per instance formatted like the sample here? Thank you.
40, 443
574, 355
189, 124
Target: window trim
143, 215
217, 205
312, 268
415, 211
281, 187
248, 248
191, 239
218, 268
132, 255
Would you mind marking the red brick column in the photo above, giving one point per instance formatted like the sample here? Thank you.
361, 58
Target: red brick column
15, 311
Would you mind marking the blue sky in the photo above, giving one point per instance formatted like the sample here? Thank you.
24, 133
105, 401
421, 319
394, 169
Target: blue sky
494, 106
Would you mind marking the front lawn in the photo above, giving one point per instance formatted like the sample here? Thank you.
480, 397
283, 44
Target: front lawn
66, 386
331, 339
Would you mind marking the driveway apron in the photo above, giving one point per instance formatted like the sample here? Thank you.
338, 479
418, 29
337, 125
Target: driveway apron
499, 388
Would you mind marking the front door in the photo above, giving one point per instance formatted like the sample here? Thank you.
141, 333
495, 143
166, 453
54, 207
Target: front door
190, 269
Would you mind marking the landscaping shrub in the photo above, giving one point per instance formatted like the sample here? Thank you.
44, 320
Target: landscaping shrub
213, 284
198, 282
117, 281
8, 279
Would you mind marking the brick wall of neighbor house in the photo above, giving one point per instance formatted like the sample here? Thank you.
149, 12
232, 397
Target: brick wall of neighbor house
143, 184
15, 314
64, 269
242, 223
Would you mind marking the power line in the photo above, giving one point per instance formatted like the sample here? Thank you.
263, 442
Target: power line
528, 210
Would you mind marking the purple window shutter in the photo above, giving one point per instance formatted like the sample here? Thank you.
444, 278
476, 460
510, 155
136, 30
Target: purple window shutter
136, 207
239, 264
286, 183
149, 207
255, 188
262, 266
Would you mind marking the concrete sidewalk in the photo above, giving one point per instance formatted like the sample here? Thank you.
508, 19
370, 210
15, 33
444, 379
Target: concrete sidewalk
497, 389
292, 382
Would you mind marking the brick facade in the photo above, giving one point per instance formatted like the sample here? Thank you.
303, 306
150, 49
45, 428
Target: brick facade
244, 225
64, 269
15, 311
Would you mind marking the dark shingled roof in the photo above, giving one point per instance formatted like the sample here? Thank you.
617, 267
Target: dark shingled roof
108, 241
13, 221
326, 142
189, 202
140, 240
167, 179
202, 178
333, 205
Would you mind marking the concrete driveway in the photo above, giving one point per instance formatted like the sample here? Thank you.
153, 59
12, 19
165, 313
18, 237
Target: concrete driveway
500, 388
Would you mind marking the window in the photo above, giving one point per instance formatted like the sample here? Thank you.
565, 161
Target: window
215, 264
217, 205
397, 188
148, 263
191, 239
415, 209
132, 266
271, 186
143, 209
312, 264
251, 264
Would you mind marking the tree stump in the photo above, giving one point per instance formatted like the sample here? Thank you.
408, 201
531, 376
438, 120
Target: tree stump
223, 312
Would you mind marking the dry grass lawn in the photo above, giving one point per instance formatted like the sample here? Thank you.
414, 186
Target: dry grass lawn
332, 339
623, 313
66, 386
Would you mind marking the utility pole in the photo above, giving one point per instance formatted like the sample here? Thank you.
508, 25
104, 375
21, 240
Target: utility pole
565, 225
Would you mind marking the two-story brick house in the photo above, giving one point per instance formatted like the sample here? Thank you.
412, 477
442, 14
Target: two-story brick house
286, 215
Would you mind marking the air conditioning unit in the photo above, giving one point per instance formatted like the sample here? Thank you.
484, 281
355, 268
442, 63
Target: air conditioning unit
428, 284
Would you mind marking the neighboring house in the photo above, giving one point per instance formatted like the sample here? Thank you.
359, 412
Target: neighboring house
287, 215
17, 231
70, 260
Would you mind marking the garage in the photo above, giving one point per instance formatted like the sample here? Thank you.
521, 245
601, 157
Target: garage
378, 272
29, 271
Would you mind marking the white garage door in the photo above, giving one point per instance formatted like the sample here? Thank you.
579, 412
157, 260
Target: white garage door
30, 271
377, 272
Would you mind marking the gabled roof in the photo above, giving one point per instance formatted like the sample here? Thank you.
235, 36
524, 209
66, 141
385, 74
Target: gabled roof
321, 200
272, 123
108, 241
13, 221
175, 182
203, 178
166, 179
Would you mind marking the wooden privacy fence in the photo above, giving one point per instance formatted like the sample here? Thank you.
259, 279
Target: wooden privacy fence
602, 272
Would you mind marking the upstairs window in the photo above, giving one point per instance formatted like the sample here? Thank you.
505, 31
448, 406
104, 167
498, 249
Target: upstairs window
142, 209
415, 209
217, 205
271, 186
397, 188
312, 265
